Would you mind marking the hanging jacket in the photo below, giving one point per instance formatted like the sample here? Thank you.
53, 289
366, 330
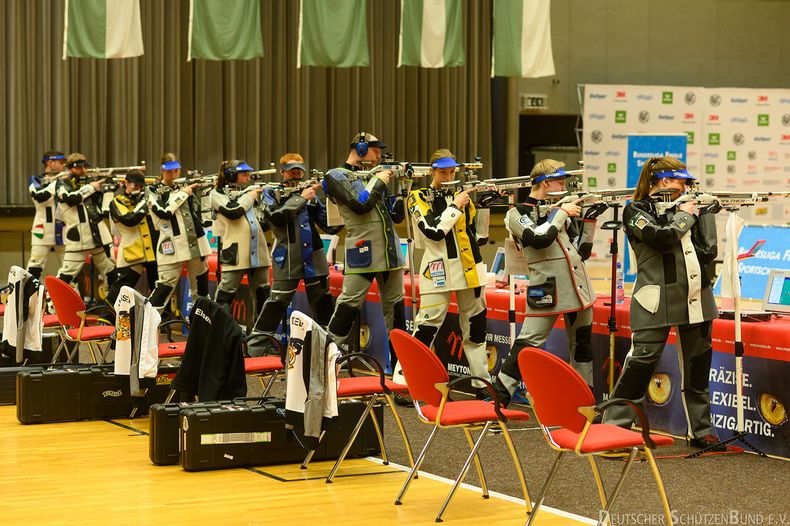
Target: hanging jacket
23, 317
135, 227
181, 236
672, 252
298, 251
555, 248
241, 230
451, 259
311, 388
372, 245
80, 205
137, 338
47, 227
213, 364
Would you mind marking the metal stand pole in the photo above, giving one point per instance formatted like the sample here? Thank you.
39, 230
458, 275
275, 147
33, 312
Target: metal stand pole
614, 226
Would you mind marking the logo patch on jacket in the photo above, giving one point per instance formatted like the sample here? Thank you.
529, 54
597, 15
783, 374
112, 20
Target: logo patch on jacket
435, 272
541, 296
639, 222
525, 221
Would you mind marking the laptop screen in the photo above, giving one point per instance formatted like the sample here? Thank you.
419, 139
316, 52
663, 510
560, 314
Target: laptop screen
777, 292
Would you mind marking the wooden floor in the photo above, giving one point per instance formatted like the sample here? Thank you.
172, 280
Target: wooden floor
98, 473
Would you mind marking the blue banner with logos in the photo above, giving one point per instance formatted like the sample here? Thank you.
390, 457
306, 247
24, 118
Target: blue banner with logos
642, 147
754, 271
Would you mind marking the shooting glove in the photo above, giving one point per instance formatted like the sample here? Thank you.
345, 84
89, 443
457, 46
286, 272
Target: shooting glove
595, 210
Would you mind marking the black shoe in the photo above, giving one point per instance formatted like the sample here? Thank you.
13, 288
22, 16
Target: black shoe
401, 400
709, 442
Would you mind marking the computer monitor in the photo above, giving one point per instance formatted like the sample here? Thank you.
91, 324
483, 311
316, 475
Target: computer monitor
330, 247
777, 292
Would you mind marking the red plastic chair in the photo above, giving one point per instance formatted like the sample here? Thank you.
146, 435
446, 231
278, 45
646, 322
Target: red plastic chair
369, 390
429, 383
264, 367
72, 316
563, 402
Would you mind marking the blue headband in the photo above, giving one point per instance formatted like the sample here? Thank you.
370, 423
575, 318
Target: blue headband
171, 165
675, 174
55, 157
559, 174
445, 162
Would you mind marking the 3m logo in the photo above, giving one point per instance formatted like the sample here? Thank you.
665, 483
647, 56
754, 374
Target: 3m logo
731, 155
785, 137
710, 168
666, 97
690, 137
619, 95
713, 118
688, 116
714, 139
762, 98
620, 116
611, 167
762, 119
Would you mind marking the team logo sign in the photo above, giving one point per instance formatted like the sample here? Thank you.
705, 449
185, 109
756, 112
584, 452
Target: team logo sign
690, 97
752, 155
715, 99
124, 324
435, 272
786, 119
738, 139
596, 136
644, 116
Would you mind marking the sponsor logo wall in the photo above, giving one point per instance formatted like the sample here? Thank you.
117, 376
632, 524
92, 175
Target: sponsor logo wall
738, 138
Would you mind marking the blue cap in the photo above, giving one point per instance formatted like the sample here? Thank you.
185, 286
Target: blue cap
445, 162
54, 157
171, 165
675, 174
244, 167
559, 174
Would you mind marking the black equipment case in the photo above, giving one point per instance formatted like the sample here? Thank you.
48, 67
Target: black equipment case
232, 436
84, 393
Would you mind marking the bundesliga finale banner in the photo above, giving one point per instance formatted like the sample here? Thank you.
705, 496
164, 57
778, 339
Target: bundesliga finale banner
613, 112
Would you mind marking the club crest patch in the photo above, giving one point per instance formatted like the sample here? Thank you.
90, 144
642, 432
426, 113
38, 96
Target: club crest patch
639, 222
525, 221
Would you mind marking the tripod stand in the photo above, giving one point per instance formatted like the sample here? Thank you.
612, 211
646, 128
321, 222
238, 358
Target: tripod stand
734, 226
614, 225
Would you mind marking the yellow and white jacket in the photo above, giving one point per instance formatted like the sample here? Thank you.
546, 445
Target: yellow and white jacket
131, 221
451, 258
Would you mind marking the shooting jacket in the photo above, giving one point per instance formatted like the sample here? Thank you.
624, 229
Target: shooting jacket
451, 259
80, 206
47, 223
181, 236
241, 230
672, 251
371, 245
135, 228
298, 251
555, 248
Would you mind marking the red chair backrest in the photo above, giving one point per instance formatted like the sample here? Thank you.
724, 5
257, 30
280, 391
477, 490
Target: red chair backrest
421, 367
66, 300
556, 388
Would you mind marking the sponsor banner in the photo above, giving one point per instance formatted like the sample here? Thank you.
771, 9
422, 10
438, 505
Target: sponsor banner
774, 254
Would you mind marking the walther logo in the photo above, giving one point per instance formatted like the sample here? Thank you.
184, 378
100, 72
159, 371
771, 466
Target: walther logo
112, 394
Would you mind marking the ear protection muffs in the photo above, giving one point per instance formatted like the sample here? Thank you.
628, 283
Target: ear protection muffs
361, 146
230, 173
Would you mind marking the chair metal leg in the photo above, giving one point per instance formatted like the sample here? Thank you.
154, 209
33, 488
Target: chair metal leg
661, 490
605, 515
105, 353
464, 470
598, 481
384, 458
402, 430
351, 439
268, 386
517, 463
417, 463
170, 396
93, 356
60, 348
74, 353
478, 464
545, 488
310, 453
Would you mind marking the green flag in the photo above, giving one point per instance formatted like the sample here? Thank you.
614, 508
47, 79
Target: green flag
225, 29
431, 33
333, 33
522, 39
102, 29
